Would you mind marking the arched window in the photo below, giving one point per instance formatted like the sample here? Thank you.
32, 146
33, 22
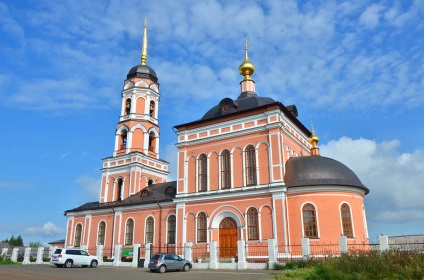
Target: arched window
151, 182
101, 233
151, 142
309, 221
78, 231
250, 166
123, 140
150, 223
129, 232
171, 229
201, 227
152, 109
203, 173
252, 223
346, 220
128, 106
225, 170
119, 190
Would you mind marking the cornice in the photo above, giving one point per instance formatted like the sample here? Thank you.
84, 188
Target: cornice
324, 189
229, 193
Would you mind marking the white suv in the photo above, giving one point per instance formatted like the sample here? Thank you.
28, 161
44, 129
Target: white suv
70, 256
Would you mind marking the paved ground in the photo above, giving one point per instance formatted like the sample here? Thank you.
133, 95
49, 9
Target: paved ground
50, 272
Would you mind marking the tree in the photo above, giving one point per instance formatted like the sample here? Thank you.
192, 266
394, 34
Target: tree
15, 241
36, 244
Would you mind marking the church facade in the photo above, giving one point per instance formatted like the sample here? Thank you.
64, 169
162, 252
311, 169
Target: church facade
247, 170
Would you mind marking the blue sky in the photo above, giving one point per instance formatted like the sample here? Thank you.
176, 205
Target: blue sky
356, 68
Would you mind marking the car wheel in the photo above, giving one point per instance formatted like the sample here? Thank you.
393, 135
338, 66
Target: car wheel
68, 264
59, 265
186, 267
93, 264
162, 269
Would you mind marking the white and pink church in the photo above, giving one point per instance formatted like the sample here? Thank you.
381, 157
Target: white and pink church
248, 170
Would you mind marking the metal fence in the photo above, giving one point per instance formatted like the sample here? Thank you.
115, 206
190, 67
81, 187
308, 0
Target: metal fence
325, 250
289, 252
168, 249
227, 254
201, 253
362, 248
257, 253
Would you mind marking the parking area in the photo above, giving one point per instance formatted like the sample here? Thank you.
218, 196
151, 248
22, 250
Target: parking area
50, 272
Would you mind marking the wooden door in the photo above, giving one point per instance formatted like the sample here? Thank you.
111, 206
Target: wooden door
228, 238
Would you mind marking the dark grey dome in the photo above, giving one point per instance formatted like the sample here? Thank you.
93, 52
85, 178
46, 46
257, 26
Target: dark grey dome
238, 105
142, 71
318, 170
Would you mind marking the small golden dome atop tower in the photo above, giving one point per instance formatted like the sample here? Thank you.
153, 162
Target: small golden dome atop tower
246, 69
313, 139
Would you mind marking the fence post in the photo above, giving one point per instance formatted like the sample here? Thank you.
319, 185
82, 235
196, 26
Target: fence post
188, 252
213, 264
135, 255
343, 244
272, 246
147, 254
306, 248
4, 251
384, 242
40, 252
99, 253
52, 250
15, 255
241, 264
27, 254
118, 253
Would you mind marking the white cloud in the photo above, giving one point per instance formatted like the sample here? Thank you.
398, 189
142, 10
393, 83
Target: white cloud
90, 187
370, 18
49, 229
394, 178
299, 49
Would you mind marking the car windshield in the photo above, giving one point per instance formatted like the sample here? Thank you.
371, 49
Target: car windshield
58, 251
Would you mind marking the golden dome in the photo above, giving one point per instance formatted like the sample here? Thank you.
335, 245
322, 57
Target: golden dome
313, 139
246, 69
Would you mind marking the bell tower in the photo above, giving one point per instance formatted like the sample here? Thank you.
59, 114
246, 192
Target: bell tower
135, 162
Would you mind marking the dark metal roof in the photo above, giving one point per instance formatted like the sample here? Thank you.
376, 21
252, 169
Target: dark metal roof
317, 170
240, 104
57, 241
142, 71
245, 102
162, 192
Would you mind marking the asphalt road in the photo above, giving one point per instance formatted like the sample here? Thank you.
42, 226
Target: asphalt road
50, 272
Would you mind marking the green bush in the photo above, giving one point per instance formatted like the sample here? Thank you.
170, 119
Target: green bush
125, 259
295, 264
371, 265
105, 259
5, 260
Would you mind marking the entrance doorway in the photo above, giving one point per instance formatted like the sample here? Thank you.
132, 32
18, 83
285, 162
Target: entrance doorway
228, 238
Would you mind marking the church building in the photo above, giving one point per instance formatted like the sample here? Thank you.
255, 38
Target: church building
248, 170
